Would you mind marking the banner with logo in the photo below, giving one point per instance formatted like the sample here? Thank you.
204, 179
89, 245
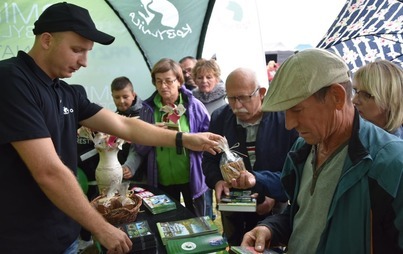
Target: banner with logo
162, 28
121, 58
146, 31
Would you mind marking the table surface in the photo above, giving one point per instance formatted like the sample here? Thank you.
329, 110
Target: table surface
179, 213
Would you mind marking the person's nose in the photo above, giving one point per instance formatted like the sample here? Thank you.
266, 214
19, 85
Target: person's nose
356, 100
237, 104
83, 60
164, 85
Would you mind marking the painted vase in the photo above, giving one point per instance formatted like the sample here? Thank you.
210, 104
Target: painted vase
109, 169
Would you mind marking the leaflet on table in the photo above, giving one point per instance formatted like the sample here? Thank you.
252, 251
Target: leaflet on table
197, 244
250, 250
141, 235
237, 201
159, 203
186, 228
142, 193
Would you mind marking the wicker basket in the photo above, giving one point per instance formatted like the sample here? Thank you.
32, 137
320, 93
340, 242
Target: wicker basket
118, 214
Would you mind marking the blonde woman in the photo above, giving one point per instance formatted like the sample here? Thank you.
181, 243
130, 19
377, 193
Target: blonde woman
210, 88
378, 96
211, 92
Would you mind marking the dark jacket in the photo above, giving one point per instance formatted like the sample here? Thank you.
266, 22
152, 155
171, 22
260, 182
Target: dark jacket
368, 200
133, 111
273, 142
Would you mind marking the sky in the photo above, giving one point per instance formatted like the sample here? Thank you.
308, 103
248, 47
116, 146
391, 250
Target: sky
294, 22
241, 40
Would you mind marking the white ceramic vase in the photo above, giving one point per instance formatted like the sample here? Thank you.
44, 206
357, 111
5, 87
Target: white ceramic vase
109, 170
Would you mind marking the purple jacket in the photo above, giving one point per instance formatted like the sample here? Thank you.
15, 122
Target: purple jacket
199, 120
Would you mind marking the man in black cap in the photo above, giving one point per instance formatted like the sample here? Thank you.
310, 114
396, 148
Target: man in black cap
63, 17
42, 202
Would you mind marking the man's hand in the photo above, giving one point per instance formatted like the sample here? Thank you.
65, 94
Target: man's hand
266, 206
259, 237
127, 174
221, 188
202, 141
114, 239
246, 180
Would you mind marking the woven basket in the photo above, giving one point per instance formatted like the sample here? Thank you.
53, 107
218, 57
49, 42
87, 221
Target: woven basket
119, 215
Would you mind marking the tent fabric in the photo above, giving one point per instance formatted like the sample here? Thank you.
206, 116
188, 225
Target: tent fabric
163, 25
365, 31
227, 29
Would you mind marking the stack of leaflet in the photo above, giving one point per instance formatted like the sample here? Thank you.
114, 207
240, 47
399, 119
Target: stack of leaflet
141, 235
159, 204
237, 201
186, 228
143, 239
210, 243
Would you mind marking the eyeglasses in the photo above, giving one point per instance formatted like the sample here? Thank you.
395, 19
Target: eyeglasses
242, 98
168, 82
362, 94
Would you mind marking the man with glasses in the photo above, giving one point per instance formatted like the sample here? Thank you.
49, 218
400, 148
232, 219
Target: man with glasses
187, 63
264, 141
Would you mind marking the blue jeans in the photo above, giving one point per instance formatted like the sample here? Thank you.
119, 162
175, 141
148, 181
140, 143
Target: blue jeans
73, 248
204, 203
209, 203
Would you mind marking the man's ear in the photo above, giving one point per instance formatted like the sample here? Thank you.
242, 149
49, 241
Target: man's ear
45, 40
262, 92
338, 95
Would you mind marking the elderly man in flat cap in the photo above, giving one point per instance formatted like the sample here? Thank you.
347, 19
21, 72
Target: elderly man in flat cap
343, 176
42, 202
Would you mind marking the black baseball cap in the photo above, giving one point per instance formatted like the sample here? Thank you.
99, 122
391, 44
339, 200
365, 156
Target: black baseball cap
63, 16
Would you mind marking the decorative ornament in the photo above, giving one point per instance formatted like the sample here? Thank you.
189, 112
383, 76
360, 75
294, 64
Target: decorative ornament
109, 170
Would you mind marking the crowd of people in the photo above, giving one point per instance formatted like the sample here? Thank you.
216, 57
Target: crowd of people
242, 122
322, 147
343, 174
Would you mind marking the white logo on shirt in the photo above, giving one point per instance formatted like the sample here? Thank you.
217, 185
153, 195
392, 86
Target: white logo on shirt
67, 111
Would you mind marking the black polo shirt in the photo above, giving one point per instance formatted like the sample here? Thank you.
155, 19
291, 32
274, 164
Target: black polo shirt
34, 106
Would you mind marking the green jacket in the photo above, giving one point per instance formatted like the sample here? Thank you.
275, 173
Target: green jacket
373, 170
